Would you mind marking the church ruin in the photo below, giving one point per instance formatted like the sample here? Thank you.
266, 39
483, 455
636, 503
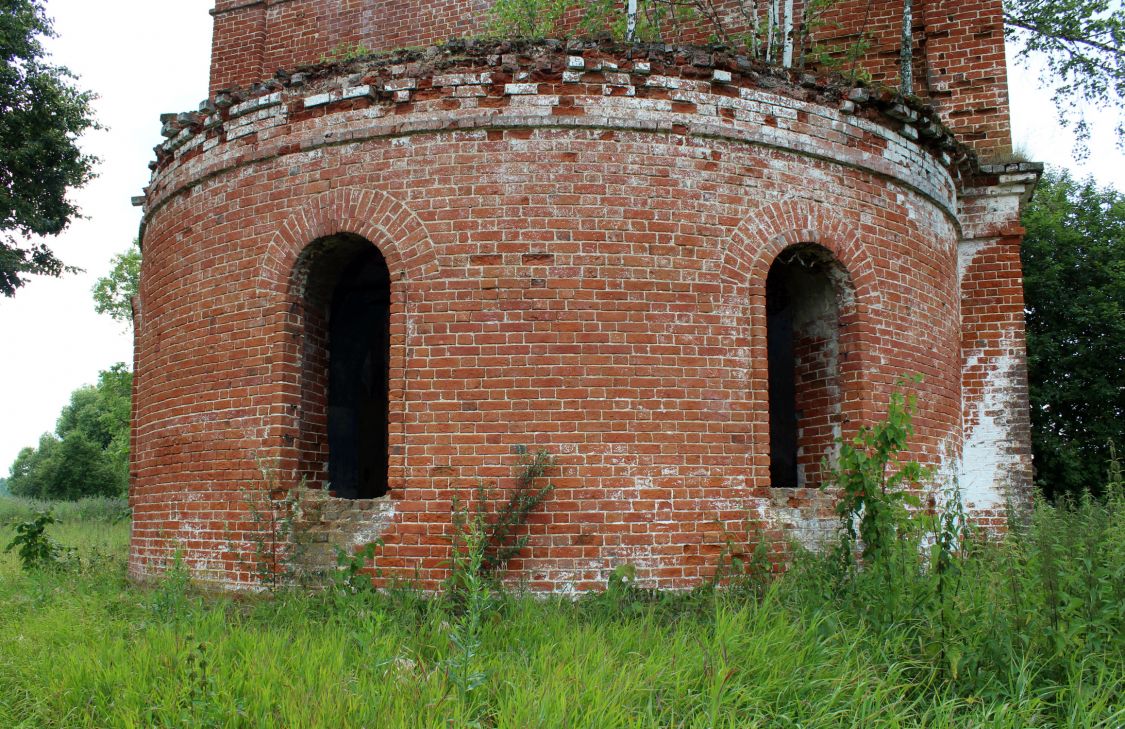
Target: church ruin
681, 272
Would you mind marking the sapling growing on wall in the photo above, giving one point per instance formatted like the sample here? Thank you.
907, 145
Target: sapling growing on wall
775, 32
277, 538
528, 18
497, 535
875, 485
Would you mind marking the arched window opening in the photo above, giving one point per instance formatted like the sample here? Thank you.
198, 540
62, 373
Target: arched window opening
346, 368
804, 291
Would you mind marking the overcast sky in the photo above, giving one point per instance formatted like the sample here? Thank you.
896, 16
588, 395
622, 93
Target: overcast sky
145, 57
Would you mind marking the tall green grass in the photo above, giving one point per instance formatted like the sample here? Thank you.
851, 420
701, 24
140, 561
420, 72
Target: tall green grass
93, 509
1036, 623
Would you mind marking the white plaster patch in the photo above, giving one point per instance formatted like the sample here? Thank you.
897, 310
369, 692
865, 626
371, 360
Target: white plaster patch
966, 252
369, 533
983, 461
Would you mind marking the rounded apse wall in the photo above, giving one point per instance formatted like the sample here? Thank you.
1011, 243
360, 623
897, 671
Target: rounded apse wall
572, 253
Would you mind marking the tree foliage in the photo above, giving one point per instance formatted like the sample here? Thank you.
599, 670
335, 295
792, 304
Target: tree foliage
528, 18
1080, 41
42, 114
88, 454
114, 292
1074, 277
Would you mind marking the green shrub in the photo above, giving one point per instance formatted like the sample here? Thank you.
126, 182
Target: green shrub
497, 535
35, 549
528, 18
876, 506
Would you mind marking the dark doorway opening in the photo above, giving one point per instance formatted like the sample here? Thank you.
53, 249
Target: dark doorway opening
803, 350
348, 361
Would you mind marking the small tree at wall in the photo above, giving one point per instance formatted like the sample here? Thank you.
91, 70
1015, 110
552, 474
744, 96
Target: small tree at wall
114, 292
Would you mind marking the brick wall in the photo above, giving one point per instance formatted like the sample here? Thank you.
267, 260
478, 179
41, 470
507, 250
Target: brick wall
578, 244
997, 470
254, 38
238, 43
959, 65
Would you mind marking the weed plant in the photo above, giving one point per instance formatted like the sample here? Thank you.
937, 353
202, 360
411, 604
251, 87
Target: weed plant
346, 53
762, 36
528, 18
32, 545
277, 541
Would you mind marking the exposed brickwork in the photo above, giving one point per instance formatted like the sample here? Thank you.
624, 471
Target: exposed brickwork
966, 72
818, 403
254, 38
959, 62
959, 66
238, 43
578, 242
997, 471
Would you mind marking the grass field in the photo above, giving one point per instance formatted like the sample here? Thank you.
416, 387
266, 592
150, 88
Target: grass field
1030, 635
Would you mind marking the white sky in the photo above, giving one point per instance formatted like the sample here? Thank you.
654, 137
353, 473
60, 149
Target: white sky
142, 57
145, 57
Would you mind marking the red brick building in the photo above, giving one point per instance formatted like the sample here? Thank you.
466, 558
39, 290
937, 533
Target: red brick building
682, 273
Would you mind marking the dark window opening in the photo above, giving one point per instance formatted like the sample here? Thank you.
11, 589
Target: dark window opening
348, 363
803, 351
782, 387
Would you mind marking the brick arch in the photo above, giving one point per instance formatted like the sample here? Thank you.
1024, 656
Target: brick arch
761, 236
744, 266
410, 256
375, 215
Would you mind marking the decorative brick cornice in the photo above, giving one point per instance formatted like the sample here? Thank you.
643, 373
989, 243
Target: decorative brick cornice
678, 90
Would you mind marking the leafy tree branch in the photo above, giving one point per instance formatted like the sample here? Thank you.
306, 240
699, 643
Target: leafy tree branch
1080, 42
42, 114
